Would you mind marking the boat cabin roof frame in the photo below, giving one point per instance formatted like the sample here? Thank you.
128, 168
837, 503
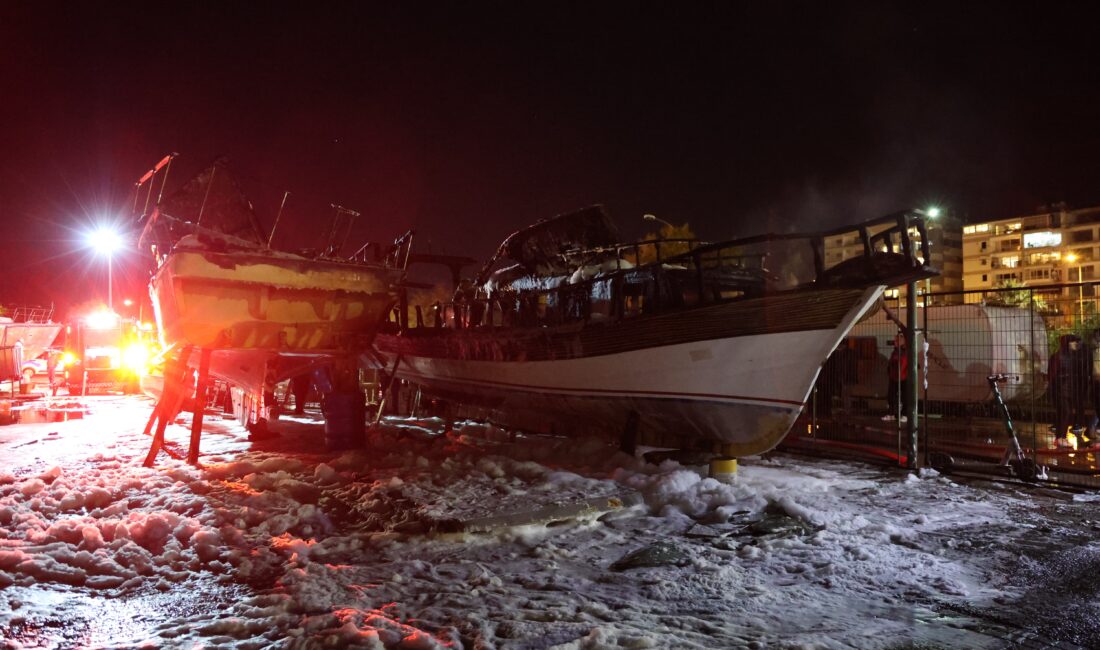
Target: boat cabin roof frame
890, 235
871, 234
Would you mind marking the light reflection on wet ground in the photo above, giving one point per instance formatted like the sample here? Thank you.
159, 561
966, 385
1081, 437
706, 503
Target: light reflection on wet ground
58, 617
38, 415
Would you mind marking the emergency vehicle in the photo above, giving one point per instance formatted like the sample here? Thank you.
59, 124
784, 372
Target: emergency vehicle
107, 353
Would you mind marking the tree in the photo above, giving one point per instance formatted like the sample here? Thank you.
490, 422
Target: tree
1016, 293
647, 253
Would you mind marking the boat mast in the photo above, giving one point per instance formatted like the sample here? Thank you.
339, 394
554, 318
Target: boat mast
210, 184
277, 217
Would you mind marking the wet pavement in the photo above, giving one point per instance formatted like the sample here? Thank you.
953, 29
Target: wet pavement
68, 432
1055, 561
973, 443
74, 618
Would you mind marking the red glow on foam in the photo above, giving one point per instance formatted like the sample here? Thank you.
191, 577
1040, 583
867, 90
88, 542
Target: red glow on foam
286, 542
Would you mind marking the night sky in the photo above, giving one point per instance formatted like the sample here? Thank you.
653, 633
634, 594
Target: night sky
468, 121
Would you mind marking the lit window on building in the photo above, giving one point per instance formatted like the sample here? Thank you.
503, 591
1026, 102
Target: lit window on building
1042, 239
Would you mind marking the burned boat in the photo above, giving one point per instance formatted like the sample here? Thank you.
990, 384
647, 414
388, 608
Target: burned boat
257, 315
693, 343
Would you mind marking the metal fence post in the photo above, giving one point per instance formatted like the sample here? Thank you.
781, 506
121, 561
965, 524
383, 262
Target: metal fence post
911, 378
1031, 371
924, 375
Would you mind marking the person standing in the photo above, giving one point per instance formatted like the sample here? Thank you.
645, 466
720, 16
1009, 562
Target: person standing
300, 386
849, 372
897, 388
1069, 370
1092, 350
53, 358
828, 383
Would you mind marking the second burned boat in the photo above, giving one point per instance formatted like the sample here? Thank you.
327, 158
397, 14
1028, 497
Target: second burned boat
567, 331
258, 315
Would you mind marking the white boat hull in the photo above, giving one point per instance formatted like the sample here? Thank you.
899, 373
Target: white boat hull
266, 316
743, 391
270, 302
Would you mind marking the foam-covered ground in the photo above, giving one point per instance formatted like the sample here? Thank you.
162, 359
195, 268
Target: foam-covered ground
280, 544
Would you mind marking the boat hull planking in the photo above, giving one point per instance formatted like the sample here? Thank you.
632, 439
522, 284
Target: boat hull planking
739, 376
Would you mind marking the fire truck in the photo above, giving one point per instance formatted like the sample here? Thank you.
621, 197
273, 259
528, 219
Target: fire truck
106, 353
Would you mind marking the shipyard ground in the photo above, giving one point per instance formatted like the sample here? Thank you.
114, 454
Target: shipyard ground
470, 538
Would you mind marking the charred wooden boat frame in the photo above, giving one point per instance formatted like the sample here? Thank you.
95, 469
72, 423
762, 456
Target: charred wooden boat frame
539, 354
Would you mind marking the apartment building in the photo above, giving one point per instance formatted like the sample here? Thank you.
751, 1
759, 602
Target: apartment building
1048, 248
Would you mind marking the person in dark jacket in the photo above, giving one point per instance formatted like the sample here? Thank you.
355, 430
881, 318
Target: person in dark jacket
1069, 370
299, 387
836, 378
897, 372
848, 360
1093, 351
53, 360
828, 383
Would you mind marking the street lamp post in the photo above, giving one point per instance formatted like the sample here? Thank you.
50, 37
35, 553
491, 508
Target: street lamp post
107, 241
933, 212
653, 217
1080, 294
671, 230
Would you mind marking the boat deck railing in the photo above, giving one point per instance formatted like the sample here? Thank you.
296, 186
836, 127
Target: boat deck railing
25, 314
659, 276
651, 277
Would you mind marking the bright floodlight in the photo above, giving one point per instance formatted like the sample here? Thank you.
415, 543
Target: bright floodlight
933, 212
101, 320
105, 240
1071, 258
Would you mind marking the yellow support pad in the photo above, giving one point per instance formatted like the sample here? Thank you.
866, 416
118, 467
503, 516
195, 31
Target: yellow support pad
723, 469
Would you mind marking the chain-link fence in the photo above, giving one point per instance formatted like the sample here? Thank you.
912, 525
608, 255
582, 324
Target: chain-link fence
1040, 346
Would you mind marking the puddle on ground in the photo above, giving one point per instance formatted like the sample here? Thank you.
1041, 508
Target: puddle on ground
38, 415
42, 616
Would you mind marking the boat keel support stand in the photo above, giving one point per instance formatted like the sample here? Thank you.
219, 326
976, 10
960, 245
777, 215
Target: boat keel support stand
723, 467
628, 441
200, 407
172, 398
